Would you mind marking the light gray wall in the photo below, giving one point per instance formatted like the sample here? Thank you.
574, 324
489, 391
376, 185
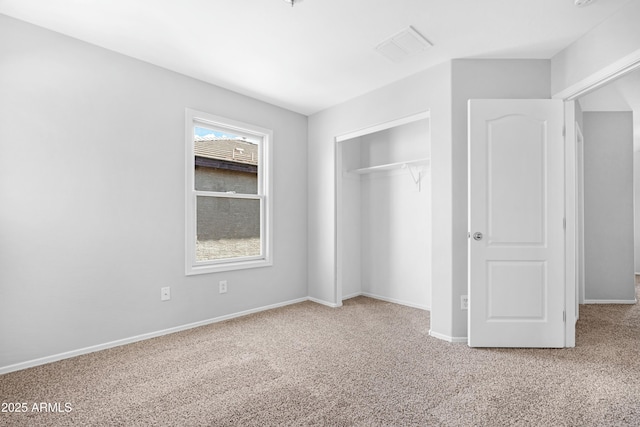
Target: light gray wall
608, 185
92, 219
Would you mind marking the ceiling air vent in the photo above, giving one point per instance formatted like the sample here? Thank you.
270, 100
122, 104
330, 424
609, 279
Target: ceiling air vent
404, 44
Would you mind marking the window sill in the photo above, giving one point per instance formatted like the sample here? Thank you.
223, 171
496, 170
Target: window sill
227, 266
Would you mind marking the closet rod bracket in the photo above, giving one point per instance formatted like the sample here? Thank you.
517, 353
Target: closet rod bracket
416, 174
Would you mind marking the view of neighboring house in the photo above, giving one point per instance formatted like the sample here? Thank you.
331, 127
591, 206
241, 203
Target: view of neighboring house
226, 165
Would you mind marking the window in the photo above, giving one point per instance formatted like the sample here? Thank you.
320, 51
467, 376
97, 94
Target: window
227, 194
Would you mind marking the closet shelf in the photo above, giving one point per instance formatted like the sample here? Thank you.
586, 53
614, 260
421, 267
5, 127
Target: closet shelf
390, 166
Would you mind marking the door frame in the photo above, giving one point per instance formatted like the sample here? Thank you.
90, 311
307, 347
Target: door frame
580, 271
570, 232
588, 84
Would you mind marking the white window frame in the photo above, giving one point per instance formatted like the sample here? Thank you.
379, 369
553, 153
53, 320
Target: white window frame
194, 118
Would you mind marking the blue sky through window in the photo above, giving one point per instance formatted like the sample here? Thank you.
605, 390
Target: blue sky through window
204, 132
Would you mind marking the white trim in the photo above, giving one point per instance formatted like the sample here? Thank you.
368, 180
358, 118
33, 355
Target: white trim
346, 297
392, 300
600, 78
580, 212
338, 220
130, 340
383, 126
326, 303
455, 340
236, 264
396, 301
264, 194
610, 301
228, 195
571, 293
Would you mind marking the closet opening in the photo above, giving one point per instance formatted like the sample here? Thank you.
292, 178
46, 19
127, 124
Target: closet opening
383, 212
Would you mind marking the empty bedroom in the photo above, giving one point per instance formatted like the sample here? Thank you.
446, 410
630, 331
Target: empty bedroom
319, 212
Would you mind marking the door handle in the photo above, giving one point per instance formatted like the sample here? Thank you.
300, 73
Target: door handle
477, 235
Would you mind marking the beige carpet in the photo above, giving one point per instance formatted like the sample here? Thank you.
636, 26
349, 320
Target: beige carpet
369, 363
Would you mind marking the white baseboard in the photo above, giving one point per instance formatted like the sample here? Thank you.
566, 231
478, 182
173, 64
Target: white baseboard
357, 294
130, 340
91, 349
323, 302
448, 338
381, 298
610, 301
396, 301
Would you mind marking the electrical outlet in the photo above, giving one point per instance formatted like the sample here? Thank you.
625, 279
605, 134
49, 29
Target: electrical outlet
464, 302
223, 286
165, 294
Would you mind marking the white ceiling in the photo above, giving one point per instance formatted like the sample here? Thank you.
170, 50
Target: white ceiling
320, 52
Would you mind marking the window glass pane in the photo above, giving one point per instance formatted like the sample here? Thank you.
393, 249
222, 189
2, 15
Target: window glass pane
227, 228
225, 162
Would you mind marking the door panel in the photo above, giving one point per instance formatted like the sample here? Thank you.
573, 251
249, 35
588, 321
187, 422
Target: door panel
516, 188
515, 181
516, 290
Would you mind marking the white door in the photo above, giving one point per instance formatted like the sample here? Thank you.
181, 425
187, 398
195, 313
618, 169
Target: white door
516, 220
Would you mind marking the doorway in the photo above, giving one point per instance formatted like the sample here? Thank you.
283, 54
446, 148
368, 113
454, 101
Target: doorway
606, 120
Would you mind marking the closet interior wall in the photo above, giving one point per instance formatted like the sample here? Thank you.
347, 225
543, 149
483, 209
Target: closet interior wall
386, 215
